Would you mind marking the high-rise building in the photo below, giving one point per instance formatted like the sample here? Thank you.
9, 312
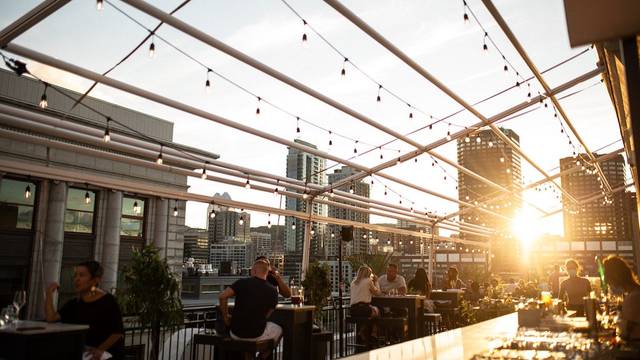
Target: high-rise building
308, 168
229, 225
196, 245
487, 155
600, 227
235, 253
277, 235
360, 243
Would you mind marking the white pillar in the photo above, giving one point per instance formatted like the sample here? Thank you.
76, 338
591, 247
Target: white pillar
35, 307
111, 240
54, 233
160, 225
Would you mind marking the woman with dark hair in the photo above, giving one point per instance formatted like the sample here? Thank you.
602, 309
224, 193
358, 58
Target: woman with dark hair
621, 279
574, 288
420, 283
94, 307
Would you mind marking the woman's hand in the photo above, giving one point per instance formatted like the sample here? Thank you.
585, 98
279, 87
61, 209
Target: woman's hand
374, 277
52, 288
96, 354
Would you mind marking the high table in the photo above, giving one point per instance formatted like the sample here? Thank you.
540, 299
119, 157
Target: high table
41, 340
296, 322
457, 344
415, 310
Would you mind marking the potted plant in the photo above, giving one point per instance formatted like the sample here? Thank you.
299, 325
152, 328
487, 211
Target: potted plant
317, 288
152, 293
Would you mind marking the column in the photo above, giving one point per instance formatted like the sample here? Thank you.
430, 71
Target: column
160, 226
111, 240
54, 232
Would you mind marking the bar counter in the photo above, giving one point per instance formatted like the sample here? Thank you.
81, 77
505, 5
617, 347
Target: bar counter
461, 343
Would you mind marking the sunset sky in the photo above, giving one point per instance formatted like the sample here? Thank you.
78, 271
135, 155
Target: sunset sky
432, 32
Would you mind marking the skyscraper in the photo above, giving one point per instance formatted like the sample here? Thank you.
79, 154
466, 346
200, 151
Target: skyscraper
308, 168
602, 226
488, 156
360, 242
228, 224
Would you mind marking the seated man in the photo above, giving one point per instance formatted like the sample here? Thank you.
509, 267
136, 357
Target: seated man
275, 279
392, 281
255, 300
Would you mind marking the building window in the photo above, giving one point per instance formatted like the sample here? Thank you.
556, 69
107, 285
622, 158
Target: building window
78, 218
16, 204
132, 223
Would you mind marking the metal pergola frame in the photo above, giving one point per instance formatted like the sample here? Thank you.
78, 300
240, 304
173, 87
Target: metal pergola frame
189, 167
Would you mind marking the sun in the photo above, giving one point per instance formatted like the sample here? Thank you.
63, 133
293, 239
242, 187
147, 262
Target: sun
526, 227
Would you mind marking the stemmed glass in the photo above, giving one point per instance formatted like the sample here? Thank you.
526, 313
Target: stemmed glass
19, 300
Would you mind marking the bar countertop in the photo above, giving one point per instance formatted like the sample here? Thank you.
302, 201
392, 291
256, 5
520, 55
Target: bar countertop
457, 344
40, 327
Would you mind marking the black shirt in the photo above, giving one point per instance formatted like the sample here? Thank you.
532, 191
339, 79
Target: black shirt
103, 317
254, 298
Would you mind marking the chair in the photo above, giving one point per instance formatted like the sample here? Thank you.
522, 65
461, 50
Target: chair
360, 345
226, 348
432, 323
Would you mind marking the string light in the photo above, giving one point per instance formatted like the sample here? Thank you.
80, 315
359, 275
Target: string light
379, 88
484, 40
478, 140
330, 141
207, 84
99, 4
466, 139
136, 207
152, 47
268, 221
159, 158
43, 99
331, 193
27, 192
204, 171
175, 211
501, 159
385, 190
87, 198
490, 144
107, 133
297, 124
343, 72
351, 189
247, 185
448, 132
293, 225
305, 42
258, 106
355, 149
241, 221
212, 213
410, 112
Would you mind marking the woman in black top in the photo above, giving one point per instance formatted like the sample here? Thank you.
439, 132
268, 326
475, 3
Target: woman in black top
420, 283
92, 307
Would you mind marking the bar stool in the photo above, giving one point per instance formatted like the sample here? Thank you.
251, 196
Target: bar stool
226, 348
432, 323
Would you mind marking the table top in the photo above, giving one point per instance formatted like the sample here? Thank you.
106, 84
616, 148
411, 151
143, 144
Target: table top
291, 307
404, 297
26, 327
457, 344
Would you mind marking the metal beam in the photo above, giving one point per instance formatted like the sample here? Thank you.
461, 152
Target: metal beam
29, 20
514, 41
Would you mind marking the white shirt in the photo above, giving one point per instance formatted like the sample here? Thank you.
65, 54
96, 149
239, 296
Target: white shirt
362, 291
386, 285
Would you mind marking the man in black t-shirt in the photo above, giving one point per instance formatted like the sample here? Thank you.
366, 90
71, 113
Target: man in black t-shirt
274, 278
255, 300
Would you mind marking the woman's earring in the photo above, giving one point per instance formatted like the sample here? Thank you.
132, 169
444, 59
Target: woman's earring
93, 290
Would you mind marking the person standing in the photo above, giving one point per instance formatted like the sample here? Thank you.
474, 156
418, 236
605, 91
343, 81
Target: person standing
255, 300
574, 288
94, 307
622, 280
554, 280
391, 281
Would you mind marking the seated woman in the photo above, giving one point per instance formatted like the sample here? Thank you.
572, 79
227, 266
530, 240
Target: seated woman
473, 292
452, 281
94, 307
363, 287
574, 288
420, 283
621, 279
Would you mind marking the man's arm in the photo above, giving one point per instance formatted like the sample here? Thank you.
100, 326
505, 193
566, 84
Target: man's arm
283, 288
224, 309
402, 290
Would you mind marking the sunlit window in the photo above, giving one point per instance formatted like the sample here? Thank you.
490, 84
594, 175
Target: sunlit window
16, 204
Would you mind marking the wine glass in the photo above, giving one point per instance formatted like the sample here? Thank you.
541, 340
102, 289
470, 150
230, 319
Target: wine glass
19, 299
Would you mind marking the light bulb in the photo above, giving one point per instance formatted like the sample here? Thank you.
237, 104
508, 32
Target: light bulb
247, 185
331, 193
305, 196
175, 211
159, 159
275, 191
490, 143
152, 50
212, 214
478, 140
43, 101
448, 136
107, 135
87, 198
269, 224
241, 221
27, 192
207, 86
466, 139
204, 174
351, 189
313, 232
501, 159
293, 226
136, 208
465, 17
99, 4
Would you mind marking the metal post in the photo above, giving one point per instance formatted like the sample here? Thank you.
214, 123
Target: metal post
431, 253
340, 313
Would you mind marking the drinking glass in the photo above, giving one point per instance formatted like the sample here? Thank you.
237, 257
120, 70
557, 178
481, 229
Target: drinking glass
19, 299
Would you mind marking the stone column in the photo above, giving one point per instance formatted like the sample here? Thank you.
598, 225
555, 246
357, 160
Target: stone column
35, 307
160, 225
54, 233
111, 240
